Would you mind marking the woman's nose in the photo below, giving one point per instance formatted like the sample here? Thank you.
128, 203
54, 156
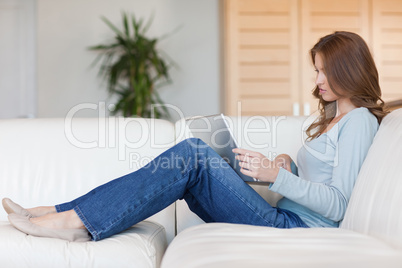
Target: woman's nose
319, 80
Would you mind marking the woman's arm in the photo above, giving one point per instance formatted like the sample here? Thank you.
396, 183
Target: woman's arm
330, 199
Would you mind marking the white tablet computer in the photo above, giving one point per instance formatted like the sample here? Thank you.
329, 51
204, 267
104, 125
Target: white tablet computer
214, 130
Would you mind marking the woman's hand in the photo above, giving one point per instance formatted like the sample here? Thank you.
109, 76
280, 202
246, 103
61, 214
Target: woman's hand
256, 165
283, 161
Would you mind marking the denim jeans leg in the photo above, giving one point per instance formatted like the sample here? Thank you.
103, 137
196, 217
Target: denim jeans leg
189, 170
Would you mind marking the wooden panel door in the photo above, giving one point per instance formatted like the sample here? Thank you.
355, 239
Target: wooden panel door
319, 18
261, 57
387, 45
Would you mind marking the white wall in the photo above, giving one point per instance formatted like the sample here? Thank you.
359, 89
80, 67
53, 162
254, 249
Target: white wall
67, 28
17, 59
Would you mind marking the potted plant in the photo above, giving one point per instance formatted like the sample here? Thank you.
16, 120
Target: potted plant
133, 69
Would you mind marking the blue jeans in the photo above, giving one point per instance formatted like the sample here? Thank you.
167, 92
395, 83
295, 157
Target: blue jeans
192, 171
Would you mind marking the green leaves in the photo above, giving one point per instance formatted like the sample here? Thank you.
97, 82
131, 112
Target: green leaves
132, 66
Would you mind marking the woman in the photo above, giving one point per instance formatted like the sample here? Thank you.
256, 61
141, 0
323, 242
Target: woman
316, 193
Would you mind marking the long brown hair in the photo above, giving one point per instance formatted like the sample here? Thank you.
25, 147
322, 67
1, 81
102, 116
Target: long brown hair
351, 72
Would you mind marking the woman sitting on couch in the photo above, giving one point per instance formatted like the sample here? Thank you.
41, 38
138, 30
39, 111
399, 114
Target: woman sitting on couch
316, 193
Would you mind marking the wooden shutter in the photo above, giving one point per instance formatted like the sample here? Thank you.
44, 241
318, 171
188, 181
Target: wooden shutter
261, 47
267, 65
387, 44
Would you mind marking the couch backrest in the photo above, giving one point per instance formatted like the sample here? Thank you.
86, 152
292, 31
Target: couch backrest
50, 161
269, 135
376, 204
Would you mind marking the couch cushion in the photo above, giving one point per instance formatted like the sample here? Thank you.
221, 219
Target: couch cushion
51, 161
375, 206
142, 245
219, 245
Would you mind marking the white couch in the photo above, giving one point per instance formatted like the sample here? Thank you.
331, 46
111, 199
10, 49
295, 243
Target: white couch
49, 161
369, 236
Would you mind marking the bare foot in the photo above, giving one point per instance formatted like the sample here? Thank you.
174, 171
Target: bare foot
63, 220
40, 211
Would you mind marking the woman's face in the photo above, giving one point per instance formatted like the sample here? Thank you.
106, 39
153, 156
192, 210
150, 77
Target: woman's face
321, 80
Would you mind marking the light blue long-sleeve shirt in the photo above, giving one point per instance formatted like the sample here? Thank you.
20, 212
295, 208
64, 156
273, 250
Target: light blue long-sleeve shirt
320, 188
